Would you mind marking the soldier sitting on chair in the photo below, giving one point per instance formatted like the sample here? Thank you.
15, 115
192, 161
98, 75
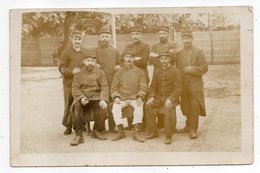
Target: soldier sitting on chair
164, 92
91, 94
128, 88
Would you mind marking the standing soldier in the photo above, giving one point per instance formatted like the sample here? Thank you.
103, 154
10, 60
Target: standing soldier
192, 64
71, 62
142, 51
164, 93
109, 60
90, 93
163, 46
128, 88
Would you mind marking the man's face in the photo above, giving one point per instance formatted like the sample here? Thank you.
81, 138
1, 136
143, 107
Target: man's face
165, 60
187, 41
105, 39
76, 41
136, 36
129, 59
163, 35
89, 63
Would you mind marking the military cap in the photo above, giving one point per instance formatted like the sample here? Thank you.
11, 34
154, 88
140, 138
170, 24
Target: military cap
137, 28
164, 28
90, 54
104, 30
186, 32
129, 51
164, 54
76, 33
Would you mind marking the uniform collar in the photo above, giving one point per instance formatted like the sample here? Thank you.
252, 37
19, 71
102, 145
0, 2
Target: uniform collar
167, 67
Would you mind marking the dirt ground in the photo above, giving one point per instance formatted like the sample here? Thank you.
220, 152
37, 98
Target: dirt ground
42, 111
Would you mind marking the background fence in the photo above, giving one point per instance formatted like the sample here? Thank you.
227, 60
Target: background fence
225, 46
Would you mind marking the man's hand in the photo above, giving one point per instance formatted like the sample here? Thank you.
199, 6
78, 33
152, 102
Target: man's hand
76, 70
117, 68
168, 103
173, 51
150, 101
139, 101
97, 65
153, 54
117, 100
84, 101
187, 69
103, 104
137, 58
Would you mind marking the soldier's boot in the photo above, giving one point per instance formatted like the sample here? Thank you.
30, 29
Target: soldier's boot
136, 135
193, 134
168, 140
78, 139
120, 133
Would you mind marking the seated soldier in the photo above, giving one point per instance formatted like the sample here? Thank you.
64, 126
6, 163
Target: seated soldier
128, 88
164, 92
90, 93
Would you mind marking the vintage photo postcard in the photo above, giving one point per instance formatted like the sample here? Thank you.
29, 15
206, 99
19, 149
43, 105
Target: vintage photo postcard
131, 86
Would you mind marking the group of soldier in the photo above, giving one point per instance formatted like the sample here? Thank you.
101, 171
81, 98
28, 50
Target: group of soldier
101, 84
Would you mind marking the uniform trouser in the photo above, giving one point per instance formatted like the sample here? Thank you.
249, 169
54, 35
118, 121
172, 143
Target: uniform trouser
169, 118
68, 100
117, 111
111, 121
89, 112
192, 115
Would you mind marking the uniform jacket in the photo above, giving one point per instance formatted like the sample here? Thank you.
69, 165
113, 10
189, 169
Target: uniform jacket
129, 83
108, 58
159, 48
166, 84
141, 50
71, 59
193, 82
92, 85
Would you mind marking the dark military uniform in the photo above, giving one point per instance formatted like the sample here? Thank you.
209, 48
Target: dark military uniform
108, 58
159, 48
141, 50
70, 59
92, 85
192, 99
166, 84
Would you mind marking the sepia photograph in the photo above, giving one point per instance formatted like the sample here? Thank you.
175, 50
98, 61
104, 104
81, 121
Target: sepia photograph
131, 86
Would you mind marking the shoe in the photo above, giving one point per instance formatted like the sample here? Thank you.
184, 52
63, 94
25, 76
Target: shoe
120, 134
152, 136
77, 140
183, 130
136, 135
129, 128
113, 130
168, 140
68, 131
193, 134
97, 135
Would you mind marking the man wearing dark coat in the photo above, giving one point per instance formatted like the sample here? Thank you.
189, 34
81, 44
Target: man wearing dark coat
164, 93
192, 64
70, 64
164, 45
91, 95
109, 60
142, 50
